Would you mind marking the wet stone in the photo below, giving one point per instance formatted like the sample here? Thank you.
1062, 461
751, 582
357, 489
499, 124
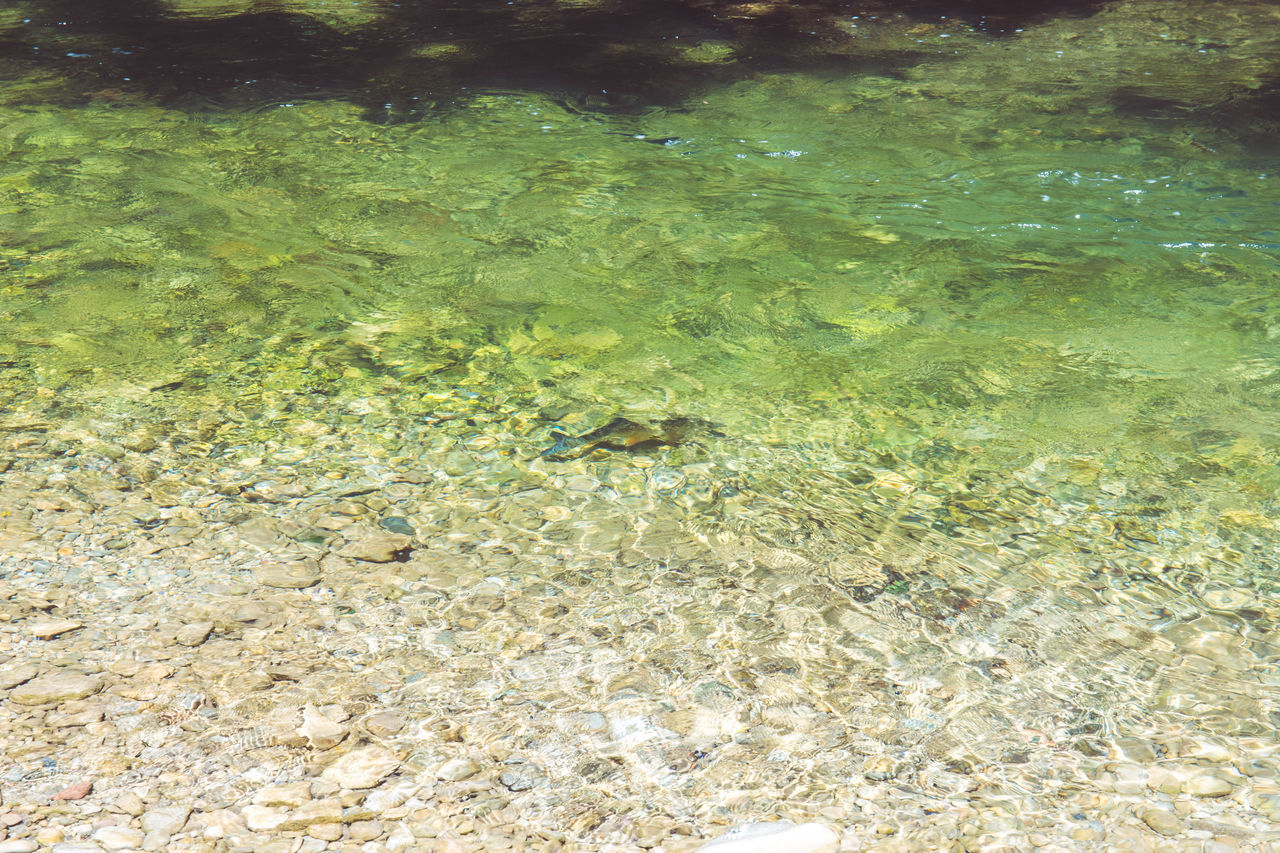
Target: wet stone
165, 819
393, 796
298, 575
77, 791
520, 775
256, 681
362, 768
222, 823
129, 803
457, 463
457, 769
118, 837
263, 818
1162, 821
76, 713
56, 687
19, 845
50, 835
47, 629
313, 812
320, 731
12, 676
384, 724
325, 831
377, 548
193, 633
292, 794
396, 524
1208, 785
1164, 781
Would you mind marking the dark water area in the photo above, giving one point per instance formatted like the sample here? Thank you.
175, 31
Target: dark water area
968, 313
578, 50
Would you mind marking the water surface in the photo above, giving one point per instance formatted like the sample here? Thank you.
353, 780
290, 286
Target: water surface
977, 315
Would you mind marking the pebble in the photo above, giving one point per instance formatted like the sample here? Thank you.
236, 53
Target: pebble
400, 838
299, 575
377, 547
78, 791
325, 831
1165, 781
76, 847
779, 837
50, 834
313, 812
457, 463
19, 845
1205, 750
222, 823
518, 585
384, 724
292, 795
118, 837
129, 803
457, 769
56, 687
263, 818
320, 731
193, 633
1208, 785
389, 797
1162, 821
1130, 779
520, 778
396, 524
165, 819
362, 768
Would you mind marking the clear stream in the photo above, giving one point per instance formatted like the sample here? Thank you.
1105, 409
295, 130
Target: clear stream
975, 315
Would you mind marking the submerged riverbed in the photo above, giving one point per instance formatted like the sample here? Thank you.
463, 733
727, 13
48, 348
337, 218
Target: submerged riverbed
968, 533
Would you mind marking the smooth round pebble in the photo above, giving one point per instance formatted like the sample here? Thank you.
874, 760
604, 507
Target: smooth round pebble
1208, 785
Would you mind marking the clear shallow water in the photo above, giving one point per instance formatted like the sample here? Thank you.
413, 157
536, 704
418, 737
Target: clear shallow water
983, 326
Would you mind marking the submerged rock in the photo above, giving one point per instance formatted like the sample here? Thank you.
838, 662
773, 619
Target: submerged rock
47, 629
779, 837
362, 768
56, 687
288, 575
377, 547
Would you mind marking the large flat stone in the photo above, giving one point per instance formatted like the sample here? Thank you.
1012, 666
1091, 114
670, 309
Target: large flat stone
47, 629
56, 687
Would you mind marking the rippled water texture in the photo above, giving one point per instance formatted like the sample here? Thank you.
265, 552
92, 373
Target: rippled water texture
973, 322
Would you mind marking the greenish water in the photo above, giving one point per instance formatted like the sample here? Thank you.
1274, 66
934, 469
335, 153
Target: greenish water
1019, 243
1048, 240
1022, 279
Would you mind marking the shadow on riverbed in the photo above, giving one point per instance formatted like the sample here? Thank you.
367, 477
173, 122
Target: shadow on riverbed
411, 60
